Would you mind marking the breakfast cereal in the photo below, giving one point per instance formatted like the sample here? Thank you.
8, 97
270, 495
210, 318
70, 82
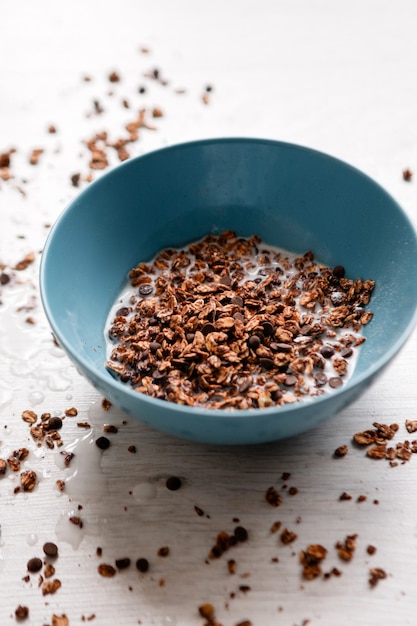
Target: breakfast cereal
229, 322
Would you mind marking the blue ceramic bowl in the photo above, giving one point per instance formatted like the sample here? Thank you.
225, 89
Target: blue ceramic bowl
293, 197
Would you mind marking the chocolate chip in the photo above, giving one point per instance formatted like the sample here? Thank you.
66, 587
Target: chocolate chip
190, 337
320, 379
290, 380
346, 353
226, 280
50, 549
146, 289
154, 346
266, 363
142, 565
55, 423
268, 329
327, 352
339, 271
236, 300
34, 565
254, 342
158, 376
276, 394
208, 328
280, 347
335, 382
123, 563
241, 533
173, 483
103, 443
122, 312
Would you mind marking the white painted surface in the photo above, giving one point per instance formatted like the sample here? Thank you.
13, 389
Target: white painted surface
339, 77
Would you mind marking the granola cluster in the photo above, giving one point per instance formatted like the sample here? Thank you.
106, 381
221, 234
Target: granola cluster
230, 323
376, 439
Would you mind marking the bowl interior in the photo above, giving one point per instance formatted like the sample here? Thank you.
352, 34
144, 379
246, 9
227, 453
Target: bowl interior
292, 197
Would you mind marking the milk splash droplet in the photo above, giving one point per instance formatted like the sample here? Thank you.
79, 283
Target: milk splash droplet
32, 539
144, 492
36, 397
5, 395
66, 531
32, 355
85, 479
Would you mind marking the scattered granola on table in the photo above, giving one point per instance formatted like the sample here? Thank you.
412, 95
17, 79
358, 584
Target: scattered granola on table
230, 323
311, 559
106, 570
347, 548
411, 426
60, 620
288, 536
407, 175
341, 451
376, 442
21, 612
225, 541
375, 575
273, 497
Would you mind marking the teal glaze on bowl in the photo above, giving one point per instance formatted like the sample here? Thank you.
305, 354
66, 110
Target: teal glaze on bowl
293, 197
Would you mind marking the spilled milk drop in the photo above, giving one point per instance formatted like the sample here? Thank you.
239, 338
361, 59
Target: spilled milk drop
36, 397
32, 539
84, 482
84, 477
31, 355
5, 394
66, 531
144, 492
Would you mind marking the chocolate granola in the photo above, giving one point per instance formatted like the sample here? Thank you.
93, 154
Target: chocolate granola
230, 323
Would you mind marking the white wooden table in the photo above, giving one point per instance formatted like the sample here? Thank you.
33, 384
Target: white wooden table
336, 76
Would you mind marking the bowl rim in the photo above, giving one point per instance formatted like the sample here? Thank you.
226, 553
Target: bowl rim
107, 380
